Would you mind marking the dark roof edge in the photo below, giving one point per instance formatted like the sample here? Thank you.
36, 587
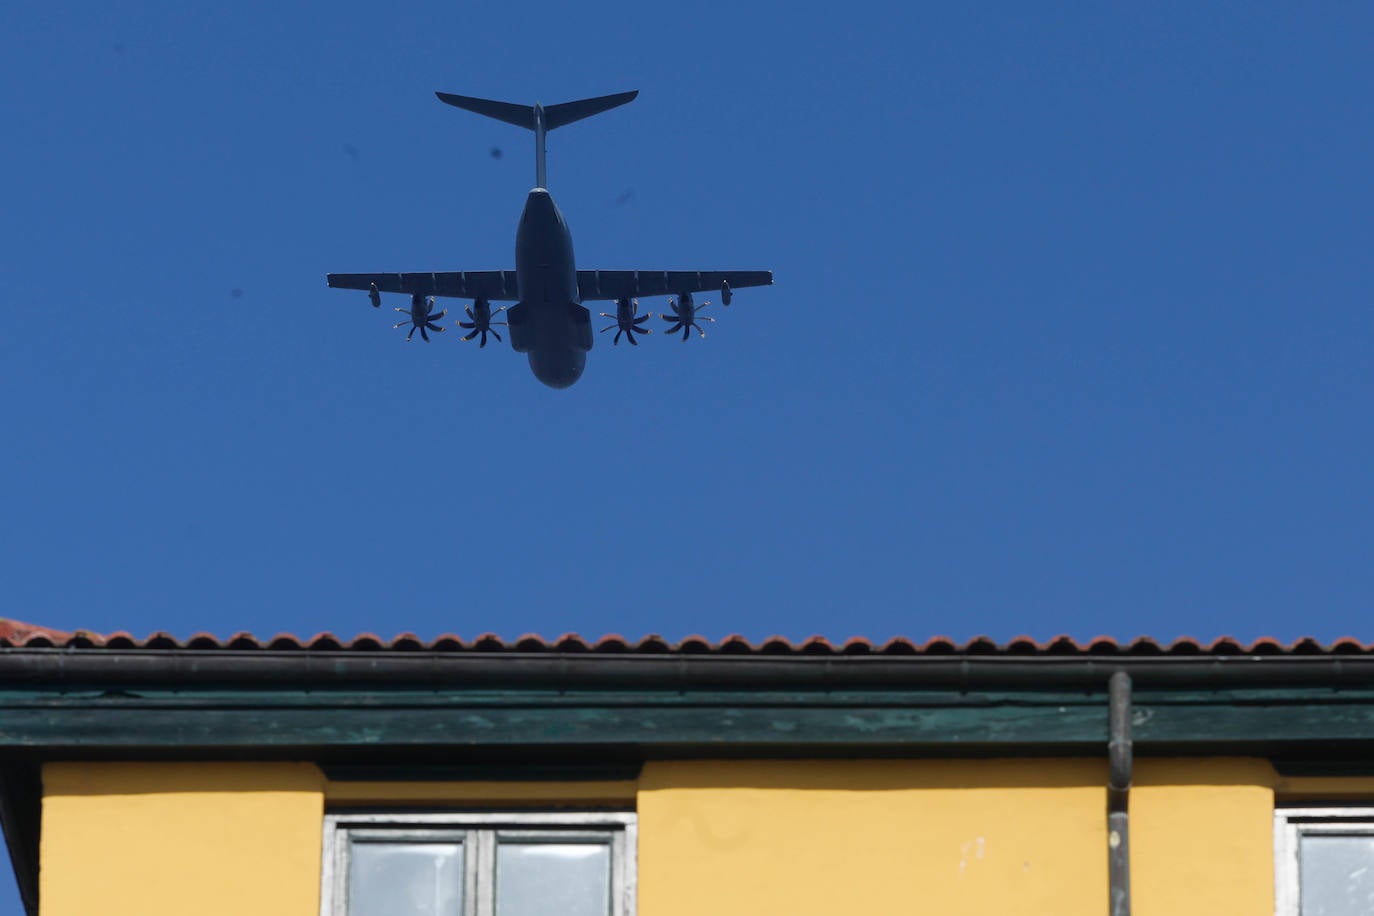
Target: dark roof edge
353, 668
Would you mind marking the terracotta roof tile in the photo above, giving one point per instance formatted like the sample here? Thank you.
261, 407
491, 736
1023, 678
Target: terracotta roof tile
18, 634
406, 642
654, 644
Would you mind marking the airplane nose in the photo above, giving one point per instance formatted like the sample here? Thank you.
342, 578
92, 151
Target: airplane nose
558, 369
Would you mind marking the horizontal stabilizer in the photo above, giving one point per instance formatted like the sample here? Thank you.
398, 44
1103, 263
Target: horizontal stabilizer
523, 115
519, 115
568, 112
537, 118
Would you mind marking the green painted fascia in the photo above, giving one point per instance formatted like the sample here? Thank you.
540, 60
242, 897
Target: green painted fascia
129, 720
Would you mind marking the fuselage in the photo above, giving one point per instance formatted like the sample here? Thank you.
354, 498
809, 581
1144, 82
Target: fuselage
555, 330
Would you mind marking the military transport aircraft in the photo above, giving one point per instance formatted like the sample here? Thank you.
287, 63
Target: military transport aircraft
548, 321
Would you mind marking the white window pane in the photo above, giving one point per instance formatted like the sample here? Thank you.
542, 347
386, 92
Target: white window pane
553, 879
1337, 875
405, 879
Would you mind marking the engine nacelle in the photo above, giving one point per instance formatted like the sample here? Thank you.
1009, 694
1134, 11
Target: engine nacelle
725, 294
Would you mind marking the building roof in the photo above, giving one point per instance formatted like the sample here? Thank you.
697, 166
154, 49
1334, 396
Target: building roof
21, 635
487, 707
80, 693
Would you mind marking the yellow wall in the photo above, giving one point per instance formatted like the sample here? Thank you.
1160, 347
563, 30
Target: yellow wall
738, 838
880, 837
1202, 837
949, 837
123, 839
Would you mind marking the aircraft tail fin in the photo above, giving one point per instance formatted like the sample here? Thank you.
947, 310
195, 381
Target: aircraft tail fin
523, 115
538, 118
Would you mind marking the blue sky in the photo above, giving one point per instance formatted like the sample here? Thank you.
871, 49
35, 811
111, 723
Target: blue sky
1071, 330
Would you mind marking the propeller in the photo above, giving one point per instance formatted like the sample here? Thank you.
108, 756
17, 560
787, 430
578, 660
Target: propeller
422, 316
686, 315
481, 323
627, 321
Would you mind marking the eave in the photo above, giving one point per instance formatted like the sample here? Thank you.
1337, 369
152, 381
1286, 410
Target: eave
334, 705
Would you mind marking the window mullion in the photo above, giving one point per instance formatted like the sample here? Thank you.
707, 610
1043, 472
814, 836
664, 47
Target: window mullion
486, 873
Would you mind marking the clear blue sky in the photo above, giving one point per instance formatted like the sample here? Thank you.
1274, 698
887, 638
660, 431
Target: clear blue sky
1071, 331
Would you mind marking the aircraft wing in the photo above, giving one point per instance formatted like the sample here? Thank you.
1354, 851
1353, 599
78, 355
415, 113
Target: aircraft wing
497, 285
622, 284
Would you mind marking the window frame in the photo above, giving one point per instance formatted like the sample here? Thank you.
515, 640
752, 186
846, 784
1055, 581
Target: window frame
1290, 825
480, 832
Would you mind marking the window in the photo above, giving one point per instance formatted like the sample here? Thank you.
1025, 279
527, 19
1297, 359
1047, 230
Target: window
479, 864
1324, 861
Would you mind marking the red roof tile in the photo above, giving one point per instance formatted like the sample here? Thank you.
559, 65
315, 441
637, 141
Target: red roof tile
18, 634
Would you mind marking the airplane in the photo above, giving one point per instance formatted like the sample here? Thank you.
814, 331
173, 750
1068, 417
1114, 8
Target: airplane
548, 321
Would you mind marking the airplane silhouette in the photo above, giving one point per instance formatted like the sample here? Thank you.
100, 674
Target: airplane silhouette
548, 321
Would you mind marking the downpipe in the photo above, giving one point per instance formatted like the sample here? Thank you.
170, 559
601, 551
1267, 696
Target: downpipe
1118, 794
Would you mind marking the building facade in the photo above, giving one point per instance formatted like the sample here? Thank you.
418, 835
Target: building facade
489, 778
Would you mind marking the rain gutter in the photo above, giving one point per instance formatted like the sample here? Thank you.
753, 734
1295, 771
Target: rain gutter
534, 669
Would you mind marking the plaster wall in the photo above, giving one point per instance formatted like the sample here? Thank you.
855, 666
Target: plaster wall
144, 839
949, 837
724, 837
